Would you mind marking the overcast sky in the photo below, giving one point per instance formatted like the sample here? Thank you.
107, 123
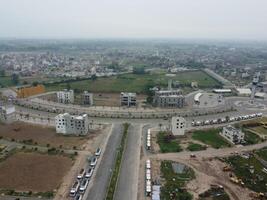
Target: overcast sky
222, 19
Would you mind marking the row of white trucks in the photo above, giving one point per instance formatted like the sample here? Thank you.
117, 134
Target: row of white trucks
224, 120
148, 140
148, 178
81, 183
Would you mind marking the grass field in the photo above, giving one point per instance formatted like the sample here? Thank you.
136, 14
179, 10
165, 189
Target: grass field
260, 129
255, 181
38, 135
251, 138
175, 182
167, 143
196, 147
33, 172
5, 81
210, 137
137, 83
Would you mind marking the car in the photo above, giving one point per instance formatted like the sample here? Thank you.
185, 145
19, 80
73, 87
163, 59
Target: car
81, 174
84, 185
78, 197
98, 152
74, 188
89, 173
93, 161
192, 155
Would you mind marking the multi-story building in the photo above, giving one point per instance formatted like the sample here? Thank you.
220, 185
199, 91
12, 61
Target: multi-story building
70, 124
178, 125
65, 96
87, 98
7, 114
233, 135
128, 99
169, 98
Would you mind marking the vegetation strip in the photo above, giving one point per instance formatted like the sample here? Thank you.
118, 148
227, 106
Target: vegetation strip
116, 170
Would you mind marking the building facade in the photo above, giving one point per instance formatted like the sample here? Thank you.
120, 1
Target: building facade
169, 98
65, 96
67, 124
178, 125
87, 98
233, 135
7, 114
128, 99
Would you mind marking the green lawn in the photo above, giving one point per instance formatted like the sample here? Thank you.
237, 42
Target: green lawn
167, 143
210, 137
173, 187
137, 83
255, 181
5, 81
196, 147
260, 130
251, 138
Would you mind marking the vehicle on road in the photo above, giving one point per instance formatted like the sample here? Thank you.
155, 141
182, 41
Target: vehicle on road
81, 174
84, 185
74, 189
98, 152
78, 197
89, 173
93, 161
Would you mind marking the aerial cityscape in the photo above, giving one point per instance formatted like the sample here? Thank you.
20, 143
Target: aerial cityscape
101, 102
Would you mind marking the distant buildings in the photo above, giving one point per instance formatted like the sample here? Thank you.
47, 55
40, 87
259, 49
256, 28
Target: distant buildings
128, 99
7, 114
65, 96
87, 98
178, 125
233, 135
169, 98
69, 124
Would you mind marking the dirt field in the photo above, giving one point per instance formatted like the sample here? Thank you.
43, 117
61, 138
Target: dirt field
42, 135
33, 172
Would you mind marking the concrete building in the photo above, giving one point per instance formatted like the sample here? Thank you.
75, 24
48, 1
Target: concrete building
178, 125
233, 135
87, 98
69, 124
169, 98
7, 114
65, 96
243, 91
128, 99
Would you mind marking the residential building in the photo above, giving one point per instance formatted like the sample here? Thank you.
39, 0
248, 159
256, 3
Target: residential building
87, 98
7, 114
178, 125
69, 124
128, 99
233, 135
65, 96
169, 98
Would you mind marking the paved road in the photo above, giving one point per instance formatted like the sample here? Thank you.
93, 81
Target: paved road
101, 181
127, 187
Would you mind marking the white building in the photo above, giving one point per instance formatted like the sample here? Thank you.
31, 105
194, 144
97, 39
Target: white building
87, 98
233, 135
65, 96
7, 114
70, 124
243, 91
128, 99
178, 125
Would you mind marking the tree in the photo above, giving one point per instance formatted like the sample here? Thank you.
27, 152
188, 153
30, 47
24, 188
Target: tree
68, 86
2, 72
138, 70
35, 83
15, 78
94, 77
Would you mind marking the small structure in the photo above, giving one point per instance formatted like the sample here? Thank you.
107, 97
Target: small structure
128, 99
243, 91
222, 90
65, 96
69, 124
87, 98
178, 125
7, 114
233, 135
169, 98
194, 84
